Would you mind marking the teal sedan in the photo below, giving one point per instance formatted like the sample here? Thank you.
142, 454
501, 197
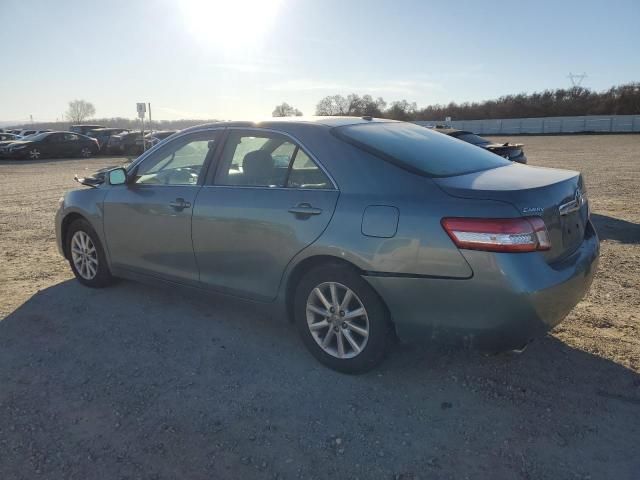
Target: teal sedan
358, 230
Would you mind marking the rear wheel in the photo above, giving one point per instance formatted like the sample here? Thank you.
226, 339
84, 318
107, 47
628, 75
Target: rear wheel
35, 154
86, 152
341, 319
86, 255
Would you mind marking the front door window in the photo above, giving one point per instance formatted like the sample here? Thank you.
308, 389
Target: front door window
175, 165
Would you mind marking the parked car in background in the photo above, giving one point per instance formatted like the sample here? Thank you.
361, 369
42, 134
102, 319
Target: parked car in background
104, 134
83, 129
511, 151
153, 138
5, 136
6, 143
130, 143
51, 145
372, 229
26, 133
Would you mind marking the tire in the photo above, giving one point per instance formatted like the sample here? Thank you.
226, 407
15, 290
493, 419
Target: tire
86, 152
82, 241
314, 319
34, 154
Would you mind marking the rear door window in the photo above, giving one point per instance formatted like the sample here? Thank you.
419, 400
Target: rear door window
419, 149
268, 159
255, 159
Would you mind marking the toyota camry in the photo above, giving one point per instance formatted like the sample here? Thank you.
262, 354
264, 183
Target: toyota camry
358, 230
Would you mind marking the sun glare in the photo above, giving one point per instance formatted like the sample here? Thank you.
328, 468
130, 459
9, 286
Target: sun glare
230, 23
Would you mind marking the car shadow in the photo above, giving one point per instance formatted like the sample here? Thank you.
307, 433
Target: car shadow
611, 228
140, 381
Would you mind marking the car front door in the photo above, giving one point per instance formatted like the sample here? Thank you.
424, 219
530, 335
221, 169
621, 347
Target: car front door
147, 222
269, 200
72, 145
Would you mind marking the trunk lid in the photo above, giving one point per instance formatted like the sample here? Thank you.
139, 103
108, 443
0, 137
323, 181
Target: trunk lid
553, 194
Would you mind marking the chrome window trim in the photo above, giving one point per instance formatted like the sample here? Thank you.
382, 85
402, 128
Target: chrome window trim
300, 145
260, 187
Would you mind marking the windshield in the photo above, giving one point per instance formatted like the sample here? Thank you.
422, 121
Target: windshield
472, 138
419, 149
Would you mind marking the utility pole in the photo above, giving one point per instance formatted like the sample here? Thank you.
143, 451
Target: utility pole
142, 108
150, 126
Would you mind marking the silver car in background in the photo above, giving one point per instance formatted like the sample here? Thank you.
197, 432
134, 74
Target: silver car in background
357, 229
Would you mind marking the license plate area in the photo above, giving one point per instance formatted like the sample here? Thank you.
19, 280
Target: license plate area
573, 226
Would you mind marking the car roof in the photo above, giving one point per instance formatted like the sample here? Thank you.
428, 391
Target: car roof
274, 122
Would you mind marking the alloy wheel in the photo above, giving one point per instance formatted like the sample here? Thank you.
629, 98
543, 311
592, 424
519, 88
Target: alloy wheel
85, 152
337, 320
84, 255
34, 154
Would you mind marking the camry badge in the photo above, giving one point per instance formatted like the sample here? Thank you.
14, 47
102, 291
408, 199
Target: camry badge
532, 210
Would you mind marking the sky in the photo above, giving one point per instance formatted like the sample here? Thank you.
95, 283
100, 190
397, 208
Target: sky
238, 59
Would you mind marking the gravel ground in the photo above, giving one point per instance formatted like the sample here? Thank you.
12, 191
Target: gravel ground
142, 382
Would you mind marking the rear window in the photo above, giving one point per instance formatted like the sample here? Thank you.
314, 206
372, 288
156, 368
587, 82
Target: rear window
419, 149
472, 138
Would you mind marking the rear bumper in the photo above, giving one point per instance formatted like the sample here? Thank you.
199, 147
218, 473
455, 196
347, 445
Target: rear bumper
510, 299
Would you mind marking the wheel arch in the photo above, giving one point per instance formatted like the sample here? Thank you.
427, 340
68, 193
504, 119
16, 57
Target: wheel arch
64, 228
307, 264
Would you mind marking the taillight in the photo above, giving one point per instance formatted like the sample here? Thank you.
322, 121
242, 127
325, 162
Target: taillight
526, 234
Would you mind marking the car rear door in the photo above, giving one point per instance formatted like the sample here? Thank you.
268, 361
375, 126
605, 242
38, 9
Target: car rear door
269, 199
147, 222
53, 145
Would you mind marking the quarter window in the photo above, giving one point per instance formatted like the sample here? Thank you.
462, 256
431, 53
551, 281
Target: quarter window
306, 174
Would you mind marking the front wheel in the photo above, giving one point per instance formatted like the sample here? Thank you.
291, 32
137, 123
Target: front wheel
34, 154
341, 319
86, 255
86, 152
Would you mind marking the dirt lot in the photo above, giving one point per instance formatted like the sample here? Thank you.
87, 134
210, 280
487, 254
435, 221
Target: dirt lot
140, 382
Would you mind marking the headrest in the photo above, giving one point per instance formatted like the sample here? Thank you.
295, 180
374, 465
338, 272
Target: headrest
258, 167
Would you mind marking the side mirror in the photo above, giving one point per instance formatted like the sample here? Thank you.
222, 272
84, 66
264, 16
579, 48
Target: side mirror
117, 176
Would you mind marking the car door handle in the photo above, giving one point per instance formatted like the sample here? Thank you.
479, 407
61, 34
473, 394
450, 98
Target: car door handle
180, 204
305, 209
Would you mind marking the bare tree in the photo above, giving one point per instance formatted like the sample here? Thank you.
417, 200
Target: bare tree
333, 105
352, 104
286, 110
402, 110
79, 111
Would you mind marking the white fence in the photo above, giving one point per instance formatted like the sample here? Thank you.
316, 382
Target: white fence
589, 123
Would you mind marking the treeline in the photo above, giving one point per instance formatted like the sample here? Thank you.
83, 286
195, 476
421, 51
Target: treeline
619, 100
